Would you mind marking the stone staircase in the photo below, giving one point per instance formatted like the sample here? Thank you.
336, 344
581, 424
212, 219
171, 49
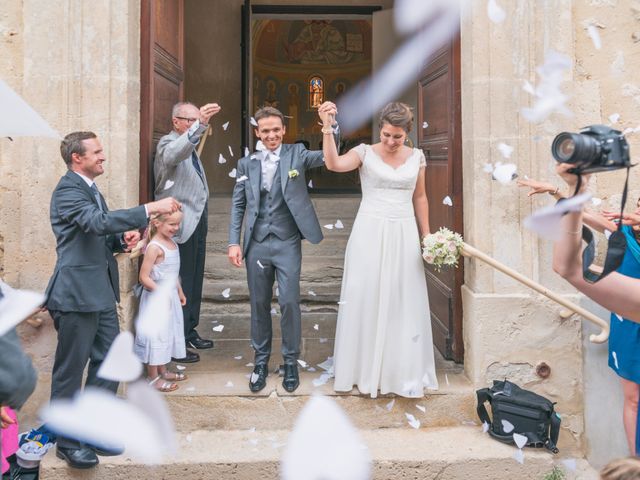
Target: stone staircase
226, 432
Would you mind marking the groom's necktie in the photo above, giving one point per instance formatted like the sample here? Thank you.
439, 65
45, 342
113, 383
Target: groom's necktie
97, 195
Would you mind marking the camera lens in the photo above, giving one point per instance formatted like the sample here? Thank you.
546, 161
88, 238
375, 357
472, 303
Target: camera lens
575, 148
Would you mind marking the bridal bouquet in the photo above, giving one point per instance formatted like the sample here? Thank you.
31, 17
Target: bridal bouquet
442, 249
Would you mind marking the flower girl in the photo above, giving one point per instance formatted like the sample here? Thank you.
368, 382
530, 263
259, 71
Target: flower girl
162, 260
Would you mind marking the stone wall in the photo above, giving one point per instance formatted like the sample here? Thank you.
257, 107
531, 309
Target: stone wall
509, 329
78, 64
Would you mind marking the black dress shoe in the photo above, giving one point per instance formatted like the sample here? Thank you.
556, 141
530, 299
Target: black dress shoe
199, 343
106, 450
258, 378
82, 457
192, 357
291, 381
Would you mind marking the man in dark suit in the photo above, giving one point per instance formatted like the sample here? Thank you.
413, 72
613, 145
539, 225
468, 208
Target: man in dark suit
83, 290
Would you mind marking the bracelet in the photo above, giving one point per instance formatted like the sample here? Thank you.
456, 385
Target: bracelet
327, 130
554, 192
573, 233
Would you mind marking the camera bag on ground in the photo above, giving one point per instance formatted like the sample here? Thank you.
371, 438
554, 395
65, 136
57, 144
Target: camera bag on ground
530, 414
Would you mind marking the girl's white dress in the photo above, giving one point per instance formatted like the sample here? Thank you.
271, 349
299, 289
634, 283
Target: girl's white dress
383, 335
171, 343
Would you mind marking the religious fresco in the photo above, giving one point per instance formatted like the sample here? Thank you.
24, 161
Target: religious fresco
298, 64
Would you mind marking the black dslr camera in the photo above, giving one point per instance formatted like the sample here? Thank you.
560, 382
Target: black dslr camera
596, 148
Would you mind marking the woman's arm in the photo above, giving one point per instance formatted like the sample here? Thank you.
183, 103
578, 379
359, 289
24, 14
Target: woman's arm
151, 256
334, 162
598, 222
540, 187
421, 204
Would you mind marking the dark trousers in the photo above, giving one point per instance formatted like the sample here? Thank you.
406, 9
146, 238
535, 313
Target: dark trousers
192, 256
82, 337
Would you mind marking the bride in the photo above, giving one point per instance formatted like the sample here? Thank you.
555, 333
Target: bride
383, 335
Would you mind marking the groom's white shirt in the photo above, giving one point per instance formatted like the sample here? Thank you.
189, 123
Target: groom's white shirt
269, 161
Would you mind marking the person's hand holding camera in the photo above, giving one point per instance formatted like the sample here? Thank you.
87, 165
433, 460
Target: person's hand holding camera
571, 179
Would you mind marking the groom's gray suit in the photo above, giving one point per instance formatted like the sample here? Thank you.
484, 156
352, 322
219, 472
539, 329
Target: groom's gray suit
275, 220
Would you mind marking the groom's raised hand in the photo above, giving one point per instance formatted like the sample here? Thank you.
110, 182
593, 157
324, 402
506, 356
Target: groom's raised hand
235, 255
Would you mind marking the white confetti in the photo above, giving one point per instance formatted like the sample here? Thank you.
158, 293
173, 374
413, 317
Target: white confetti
527, 87
321, 380
312, 293
485, 427
389, 406
327, 365
246, 152
181, 367
230, 151
329, 226
607, 233
16, 305
504, 173
495, 12
225, 126
221, 159
547, 221
548, 96
507, 426
614, 117
277, 291
310, 184
238, 357
218, 328
254, 377
446, 379
311, 369
226, 292
242, 179
121, 364
229, 384
413, 421
488, 167
339, 224
323, 340
521, 440
425, 125
250, 364
168, 184
592, 30
233, 173
617, 67
188, 438
519, 456
273, 311
596, 201
190, 389
447, 201
302, 363
619, 317
421, 408
253, 122
342, 302
260, 264
615, 359
316, 327
505, 150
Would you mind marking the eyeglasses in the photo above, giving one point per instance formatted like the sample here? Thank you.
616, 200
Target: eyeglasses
189, 120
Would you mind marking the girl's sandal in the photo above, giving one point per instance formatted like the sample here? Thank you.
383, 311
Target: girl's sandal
164, 387
174, 376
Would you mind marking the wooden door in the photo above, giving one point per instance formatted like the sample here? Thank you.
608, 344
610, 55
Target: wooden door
439, 126
161, 78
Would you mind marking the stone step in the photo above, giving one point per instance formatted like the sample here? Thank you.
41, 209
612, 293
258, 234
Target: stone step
450, 453
329, 207
334, 243
237, 325
318, 268
325, 293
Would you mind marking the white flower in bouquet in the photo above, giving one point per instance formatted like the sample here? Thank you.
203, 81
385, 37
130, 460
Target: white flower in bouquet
442, 249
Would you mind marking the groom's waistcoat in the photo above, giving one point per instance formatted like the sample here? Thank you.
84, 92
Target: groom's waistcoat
274, 215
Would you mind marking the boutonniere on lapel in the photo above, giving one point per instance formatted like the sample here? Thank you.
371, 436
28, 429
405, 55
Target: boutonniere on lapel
293, 173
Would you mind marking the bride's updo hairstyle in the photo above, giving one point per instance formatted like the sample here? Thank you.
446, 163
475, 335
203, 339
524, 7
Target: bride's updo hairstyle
397, 114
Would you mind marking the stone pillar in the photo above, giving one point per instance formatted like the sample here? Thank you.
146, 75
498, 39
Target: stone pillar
77, 63
508, 328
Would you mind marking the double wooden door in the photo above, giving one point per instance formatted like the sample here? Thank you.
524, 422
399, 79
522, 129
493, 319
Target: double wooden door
439, 125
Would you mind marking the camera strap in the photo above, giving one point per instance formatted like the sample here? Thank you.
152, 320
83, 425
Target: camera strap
616, 245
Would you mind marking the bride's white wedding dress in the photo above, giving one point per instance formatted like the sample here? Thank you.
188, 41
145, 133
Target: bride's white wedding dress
383, 335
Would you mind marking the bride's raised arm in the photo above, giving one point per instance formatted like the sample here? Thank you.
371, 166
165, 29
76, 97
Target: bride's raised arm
334, 162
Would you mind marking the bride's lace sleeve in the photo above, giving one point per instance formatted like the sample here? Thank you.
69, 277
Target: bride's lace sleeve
423, 161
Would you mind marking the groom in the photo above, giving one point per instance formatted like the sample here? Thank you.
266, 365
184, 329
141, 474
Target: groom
271, 197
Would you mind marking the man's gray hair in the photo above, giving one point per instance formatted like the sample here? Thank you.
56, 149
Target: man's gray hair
176, 108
